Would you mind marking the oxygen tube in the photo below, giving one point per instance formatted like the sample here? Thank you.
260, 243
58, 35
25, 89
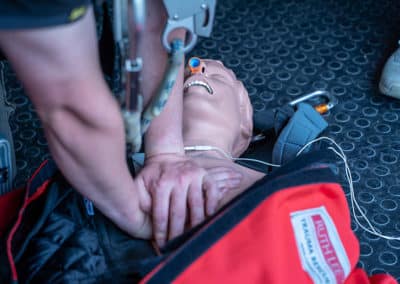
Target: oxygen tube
129, 24
159, 101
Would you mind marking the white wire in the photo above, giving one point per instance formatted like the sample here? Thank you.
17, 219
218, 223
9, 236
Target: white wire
258, 161
340, 153
354, 203
213, 148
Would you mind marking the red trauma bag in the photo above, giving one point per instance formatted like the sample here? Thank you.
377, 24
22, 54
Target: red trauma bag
291, 227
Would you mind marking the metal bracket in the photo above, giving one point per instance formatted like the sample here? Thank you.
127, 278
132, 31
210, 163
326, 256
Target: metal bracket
195, 16
129, 25
129, 28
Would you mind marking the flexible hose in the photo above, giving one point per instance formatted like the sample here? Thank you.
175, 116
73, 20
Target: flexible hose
137, 125
159, 101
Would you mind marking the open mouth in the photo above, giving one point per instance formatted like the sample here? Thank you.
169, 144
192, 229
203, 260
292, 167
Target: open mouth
198, 83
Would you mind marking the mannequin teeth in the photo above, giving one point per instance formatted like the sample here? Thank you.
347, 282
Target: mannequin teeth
198, 83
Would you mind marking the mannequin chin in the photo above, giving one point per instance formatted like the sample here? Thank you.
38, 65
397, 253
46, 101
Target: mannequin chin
219, 118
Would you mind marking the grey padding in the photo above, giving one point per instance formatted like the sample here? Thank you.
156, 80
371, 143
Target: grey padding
7, 153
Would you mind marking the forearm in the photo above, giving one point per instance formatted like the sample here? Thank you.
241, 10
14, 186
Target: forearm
88, 146
80, 117
165, 132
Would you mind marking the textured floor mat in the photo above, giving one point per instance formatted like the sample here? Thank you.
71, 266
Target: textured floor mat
281, 50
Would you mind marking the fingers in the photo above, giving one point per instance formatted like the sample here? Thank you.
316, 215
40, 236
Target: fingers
228, 184
177, 186
224, 175
216, 182
225, 178
212, 194
215, 190
170, 200
196, 201
161, 204
178, 209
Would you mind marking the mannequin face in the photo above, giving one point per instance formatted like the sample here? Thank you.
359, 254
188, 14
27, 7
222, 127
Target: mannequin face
216, 109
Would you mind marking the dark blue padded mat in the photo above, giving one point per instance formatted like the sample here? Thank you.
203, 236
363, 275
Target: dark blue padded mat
281, 50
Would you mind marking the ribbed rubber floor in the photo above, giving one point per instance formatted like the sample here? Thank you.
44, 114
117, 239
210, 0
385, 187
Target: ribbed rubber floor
282, 49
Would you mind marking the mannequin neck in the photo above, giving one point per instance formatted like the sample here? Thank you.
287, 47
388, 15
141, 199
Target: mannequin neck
207, 153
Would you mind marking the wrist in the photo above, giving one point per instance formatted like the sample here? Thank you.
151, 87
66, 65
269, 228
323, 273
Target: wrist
164, 147
165, 156
130, 213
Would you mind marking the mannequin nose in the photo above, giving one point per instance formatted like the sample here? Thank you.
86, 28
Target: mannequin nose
196, 66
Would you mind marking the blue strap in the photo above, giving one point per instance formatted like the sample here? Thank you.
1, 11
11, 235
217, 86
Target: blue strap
304, 126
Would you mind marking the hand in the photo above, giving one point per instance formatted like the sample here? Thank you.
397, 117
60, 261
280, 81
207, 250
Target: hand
133, 214
176, 182
217, 182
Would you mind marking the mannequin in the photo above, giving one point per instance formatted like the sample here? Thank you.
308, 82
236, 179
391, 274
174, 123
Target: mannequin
217, 112
68, 227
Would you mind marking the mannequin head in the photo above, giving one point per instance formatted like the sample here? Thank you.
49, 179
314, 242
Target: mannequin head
220, 116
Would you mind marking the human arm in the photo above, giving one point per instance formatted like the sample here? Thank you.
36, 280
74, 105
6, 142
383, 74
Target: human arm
81, 120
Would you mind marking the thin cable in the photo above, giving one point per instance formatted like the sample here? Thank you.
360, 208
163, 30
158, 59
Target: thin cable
258, 161
213, 148
354, 203
340, 153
